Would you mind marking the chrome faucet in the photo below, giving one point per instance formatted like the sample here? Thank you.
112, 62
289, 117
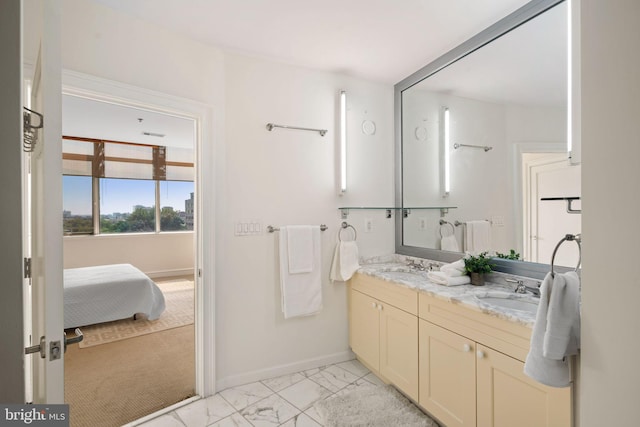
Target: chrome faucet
521, 288
418, 266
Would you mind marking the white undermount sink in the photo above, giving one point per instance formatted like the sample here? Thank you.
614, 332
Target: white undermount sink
510, 300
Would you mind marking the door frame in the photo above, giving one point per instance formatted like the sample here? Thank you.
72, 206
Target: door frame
88, 86
519, 186
530, 213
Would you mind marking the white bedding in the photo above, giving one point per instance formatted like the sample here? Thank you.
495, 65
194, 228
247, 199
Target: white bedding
109, 292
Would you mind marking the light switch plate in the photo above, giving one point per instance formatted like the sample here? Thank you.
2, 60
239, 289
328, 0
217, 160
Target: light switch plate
250, 227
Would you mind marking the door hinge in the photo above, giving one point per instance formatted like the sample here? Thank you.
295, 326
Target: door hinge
27, 268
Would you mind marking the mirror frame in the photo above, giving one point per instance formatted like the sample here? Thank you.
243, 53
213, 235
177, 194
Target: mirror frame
503, 26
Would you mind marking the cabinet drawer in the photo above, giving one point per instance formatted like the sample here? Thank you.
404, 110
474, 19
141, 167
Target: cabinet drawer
505, 336
396, 295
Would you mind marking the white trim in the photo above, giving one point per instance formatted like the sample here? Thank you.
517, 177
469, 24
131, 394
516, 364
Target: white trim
276, 371
517, 149
161, 274
530, 190
83, 85
162, 411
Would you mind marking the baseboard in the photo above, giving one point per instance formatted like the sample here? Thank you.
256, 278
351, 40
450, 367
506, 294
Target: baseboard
276, 371
169, 273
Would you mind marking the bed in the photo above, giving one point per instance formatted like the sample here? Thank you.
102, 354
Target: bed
109, 292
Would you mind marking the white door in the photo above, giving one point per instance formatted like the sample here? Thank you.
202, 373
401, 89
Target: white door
45, 209
549, 221
11, 314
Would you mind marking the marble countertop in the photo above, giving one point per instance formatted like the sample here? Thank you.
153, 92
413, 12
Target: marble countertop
469, 295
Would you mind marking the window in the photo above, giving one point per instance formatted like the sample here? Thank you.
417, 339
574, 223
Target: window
77, 204
176, 201
130, 188
127, 206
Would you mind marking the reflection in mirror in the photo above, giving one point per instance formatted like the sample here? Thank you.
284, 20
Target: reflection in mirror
486, 136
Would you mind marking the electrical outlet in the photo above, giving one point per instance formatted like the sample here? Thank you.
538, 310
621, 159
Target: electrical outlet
368, 225
423, 223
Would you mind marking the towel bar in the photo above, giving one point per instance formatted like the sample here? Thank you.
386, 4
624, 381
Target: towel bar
459, 223
270, 127
271, 228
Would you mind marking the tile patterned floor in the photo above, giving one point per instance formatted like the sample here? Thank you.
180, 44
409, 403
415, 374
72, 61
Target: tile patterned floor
285, 401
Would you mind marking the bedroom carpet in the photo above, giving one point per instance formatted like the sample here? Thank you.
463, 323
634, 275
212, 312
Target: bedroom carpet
372, 407
115, 383
179, 297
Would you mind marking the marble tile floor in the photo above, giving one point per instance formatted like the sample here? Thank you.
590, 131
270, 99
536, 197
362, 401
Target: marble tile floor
285, 401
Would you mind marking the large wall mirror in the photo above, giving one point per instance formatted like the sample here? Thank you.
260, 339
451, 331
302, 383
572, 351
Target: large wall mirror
482, 138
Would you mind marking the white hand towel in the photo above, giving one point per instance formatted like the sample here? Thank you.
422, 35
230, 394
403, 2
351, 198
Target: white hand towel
440, 278
300, 252
301, 292
449, 243
562, 337
345, 261
454, 269
551, 372
477, 237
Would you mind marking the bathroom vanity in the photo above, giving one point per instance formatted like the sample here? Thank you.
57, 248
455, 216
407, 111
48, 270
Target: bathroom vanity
458, 351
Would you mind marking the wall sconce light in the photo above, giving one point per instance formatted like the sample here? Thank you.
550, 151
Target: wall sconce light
445, 161
343, 141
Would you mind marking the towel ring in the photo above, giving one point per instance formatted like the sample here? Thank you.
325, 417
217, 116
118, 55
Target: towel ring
443, 222
569, 237
345, 225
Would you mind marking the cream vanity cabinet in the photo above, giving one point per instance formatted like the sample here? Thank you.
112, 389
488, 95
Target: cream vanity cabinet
471, 371
383, 330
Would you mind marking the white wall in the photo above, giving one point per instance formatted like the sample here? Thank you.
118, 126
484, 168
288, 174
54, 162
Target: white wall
280, 177
610, 376
482, 184
157, 255
289, 177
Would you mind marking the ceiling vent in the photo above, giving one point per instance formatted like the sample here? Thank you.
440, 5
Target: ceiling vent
159, 135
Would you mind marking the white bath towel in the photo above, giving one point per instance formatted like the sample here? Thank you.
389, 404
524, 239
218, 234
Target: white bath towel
441, 278
477, 237
300, 252
454, 269
551, 372
301, 292
345, 261
562, 336
449, 243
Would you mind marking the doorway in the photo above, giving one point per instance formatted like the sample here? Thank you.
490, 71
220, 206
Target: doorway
549, 175
128, 198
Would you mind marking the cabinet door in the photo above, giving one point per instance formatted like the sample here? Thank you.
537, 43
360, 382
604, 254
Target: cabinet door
507, 397
448, 376
399, 348
364, 328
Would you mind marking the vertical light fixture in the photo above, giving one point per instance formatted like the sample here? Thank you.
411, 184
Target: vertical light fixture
445, 165
343, 141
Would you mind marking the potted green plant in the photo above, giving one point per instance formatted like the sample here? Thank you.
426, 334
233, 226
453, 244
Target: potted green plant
511, 255
477, 266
